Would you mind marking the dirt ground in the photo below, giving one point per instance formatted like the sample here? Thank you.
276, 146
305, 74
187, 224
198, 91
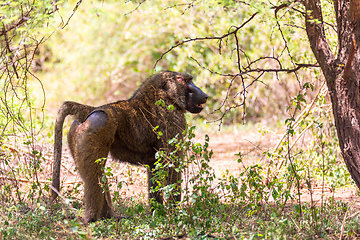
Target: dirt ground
251, 144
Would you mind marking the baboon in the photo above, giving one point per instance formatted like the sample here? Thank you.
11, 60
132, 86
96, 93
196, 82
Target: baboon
125, 129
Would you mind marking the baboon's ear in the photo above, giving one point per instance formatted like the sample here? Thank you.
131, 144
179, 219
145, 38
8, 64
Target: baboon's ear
163, 85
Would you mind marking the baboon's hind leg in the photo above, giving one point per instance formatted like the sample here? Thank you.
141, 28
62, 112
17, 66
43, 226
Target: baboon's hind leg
90, 143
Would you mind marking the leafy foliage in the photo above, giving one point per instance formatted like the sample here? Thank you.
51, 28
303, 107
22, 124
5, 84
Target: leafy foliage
22, 32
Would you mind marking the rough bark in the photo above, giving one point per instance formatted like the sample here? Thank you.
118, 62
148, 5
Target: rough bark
342, 73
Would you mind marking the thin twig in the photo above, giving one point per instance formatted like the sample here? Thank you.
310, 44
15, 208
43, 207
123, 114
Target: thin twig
205, 38
73, 12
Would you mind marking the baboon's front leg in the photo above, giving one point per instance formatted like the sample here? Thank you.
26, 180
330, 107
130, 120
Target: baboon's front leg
152, 184
174, 177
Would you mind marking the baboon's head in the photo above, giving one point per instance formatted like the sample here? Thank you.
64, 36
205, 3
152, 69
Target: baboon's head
183, 92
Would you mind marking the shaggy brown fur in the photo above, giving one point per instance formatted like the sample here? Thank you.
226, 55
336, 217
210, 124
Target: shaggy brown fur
125, 130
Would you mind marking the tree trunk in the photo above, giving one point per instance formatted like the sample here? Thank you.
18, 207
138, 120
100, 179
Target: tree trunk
342, 73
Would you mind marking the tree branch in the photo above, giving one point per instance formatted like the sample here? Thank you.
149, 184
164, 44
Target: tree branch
220, 38
355, 19
72, 14
261, 70
347, 69
316, 34
355, 24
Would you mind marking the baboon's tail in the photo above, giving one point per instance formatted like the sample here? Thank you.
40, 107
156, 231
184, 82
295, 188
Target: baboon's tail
80, 112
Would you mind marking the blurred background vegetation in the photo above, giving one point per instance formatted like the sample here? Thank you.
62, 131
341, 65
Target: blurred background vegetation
109, 47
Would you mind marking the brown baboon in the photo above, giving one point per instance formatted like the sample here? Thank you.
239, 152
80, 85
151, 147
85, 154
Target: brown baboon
126, 130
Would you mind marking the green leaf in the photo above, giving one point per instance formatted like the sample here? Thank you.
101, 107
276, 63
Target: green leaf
160, 102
